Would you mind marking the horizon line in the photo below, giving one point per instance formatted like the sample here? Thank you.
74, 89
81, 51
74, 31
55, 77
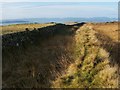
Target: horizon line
55, 17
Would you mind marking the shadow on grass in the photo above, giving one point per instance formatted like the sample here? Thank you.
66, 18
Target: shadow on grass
32, 59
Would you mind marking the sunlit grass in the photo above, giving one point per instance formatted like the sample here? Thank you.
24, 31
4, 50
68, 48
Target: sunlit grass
91, 68
21, 27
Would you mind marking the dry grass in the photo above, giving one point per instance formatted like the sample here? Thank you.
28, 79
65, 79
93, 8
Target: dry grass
21, 27
92, 67
108, 34
36, 65
108, 29
80, 60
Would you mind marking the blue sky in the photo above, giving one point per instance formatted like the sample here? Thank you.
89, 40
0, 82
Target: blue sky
59, 0
15, 10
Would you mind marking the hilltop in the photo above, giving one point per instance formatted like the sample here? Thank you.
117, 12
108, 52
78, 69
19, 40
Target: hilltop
55, 55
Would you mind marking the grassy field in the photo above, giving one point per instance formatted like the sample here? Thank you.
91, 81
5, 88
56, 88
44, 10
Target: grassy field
108, 34
108, 29
81, 57
21, 27
93, 66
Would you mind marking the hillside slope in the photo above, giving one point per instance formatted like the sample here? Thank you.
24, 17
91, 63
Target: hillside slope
35, 58
61, 56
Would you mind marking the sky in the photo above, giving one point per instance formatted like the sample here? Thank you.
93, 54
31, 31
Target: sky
59, 0
19, 10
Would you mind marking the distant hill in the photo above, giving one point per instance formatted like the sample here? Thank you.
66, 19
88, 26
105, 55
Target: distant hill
58, 20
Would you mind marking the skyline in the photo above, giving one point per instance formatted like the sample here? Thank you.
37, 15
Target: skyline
15, 10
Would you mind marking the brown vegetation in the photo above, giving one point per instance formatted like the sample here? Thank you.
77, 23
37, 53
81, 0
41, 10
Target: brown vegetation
93, 66
35, 64
108, 34
62, 56
21, 27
